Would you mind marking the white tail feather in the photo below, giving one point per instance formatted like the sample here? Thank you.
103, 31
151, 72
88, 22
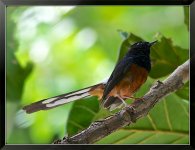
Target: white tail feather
64, 100
57, 100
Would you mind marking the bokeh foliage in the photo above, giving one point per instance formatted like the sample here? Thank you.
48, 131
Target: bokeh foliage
14, 85
75, 47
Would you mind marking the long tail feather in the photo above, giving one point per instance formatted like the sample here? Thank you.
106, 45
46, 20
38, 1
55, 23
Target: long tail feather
58, 100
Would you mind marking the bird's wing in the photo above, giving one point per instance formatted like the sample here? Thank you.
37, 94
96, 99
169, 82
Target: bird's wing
118, 73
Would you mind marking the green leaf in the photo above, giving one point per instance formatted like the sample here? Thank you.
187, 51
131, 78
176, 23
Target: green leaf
162, 125
165, 57
102, 113
166, 51
160, 69
82, 114
184, 91
129, 39
186, 16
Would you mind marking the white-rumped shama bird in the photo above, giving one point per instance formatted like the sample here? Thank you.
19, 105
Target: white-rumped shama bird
128, 76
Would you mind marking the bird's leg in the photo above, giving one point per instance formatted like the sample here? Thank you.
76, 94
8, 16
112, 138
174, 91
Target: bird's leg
122, 100
125, 104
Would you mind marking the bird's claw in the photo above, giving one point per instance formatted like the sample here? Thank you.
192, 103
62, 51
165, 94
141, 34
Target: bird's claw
130, 108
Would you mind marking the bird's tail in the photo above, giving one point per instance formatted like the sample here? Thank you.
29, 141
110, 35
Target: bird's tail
59, 100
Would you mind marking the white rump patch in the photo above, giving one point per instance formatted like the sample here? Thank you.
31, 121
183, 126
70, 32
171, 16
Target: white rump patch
104, 81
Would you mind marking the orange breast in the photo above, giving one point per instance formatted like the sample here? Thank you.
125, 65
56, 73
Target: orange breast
132, 81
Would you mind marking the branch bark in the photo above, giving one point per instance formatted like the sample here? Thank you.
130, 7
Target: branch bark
99, 129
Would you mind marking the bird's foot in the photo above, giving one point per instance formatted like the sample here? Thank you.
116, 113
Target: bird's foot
131, 110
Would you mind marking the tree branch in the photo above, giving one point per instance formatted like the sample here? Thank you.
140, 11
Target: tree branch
99, 129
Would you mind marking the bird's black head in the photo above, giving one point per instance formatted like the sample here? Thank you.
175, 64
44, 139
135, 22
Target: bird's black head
141, 48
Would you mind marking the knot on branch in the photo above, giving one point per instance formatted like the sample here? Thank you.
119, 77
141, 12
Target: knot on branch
157, 84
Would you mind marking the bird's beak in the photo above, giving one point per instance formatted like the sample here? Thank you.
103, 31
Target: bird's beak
152, 43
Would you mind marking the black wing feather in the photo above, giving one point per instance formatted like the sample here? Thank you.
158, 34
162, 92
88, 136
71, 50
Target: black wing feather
118, 73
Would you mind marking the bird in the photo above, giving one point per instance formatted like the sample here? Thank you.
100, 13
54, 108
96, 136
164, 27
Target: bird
129, 74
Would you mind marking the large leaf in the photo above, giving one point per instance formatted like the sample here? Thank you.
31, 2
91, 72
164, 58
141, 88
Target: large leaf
82, 114
167, 122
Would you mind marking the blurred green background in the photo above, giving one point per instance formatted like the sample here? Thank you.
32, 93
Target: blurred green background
54, 50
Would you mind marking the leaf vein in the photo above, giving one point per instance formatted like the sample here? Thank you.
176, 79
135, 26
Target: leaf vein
76, 124
185, 111
147, 138
122, 139
152, 122
178, 139
167, 115
157, 131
